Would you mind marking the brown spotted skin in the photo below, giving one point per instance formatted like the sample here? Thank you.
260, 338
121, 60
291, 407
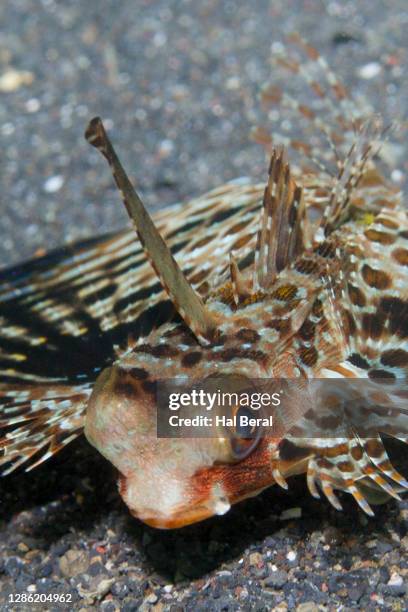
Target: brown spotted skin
306, 278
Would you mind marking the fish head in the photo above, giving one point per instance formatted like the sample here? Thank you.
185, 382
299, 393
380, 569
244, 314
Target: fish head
170, 482
183, 475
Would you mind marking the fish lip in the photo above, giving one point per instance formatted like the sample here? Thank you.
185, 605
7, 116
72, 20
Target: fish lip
178, 520
198, 512
195, 514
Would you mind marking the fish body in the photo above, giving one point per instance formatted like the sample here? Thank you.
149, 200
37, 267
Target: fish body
302, 280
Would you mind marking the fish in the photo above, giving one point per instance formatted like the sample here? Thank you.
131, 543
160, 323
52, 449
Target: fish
303, 280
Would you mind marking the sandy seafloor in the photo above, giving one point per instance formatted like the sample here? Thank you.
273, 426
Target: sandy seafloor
178, 82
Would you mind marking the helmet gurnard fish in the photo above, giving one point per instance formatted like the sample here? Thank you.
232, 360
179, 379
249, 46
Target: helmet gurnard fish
304, 279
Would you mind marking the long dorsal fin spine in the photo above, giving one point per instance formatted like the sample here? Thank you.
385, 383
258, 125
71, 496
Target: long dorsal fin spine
186, 301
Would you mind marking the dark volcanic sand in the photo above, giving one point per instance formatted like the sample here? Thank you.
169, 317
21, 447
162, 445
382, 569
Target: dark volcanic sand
178, 82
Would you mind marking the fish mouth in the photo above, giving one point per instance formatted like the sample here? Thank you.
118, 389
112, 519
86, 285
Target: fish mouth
196, 513
208, 497
187, 517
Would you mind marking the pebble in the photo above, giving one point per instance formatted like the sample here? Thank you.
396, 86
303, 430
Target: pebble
291, 513
11, 80
256, 559
370, 70
110, 606
120, 589
96, 589
397, 176
33, 105
53, 184
276, 579
395, 580
395, 590
73, 562
384, 547
307, 606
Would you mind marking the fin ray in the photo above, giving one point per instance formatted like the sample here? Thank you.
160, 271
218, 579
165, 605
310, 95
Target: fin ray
183, 296
280, 237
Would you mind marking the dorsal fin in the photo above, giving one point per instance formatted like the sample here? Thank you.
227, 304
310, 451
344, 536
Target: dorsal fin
351, 172
185, 300
281, 235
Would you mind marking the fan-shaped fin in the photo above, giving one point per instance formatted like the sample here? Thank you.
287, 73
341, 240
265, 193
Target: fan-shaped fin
36, 421
346, 465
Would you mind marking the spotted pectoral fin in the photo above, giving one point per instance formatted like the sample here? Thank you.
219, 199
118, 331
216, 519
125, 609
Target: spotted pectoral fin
36, 421
342, 433
361, 468
373, 495
375, 303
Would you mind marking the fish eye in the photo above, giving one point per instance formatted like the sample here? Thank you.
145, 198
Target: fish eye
242, 438
246, 435
243, 427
